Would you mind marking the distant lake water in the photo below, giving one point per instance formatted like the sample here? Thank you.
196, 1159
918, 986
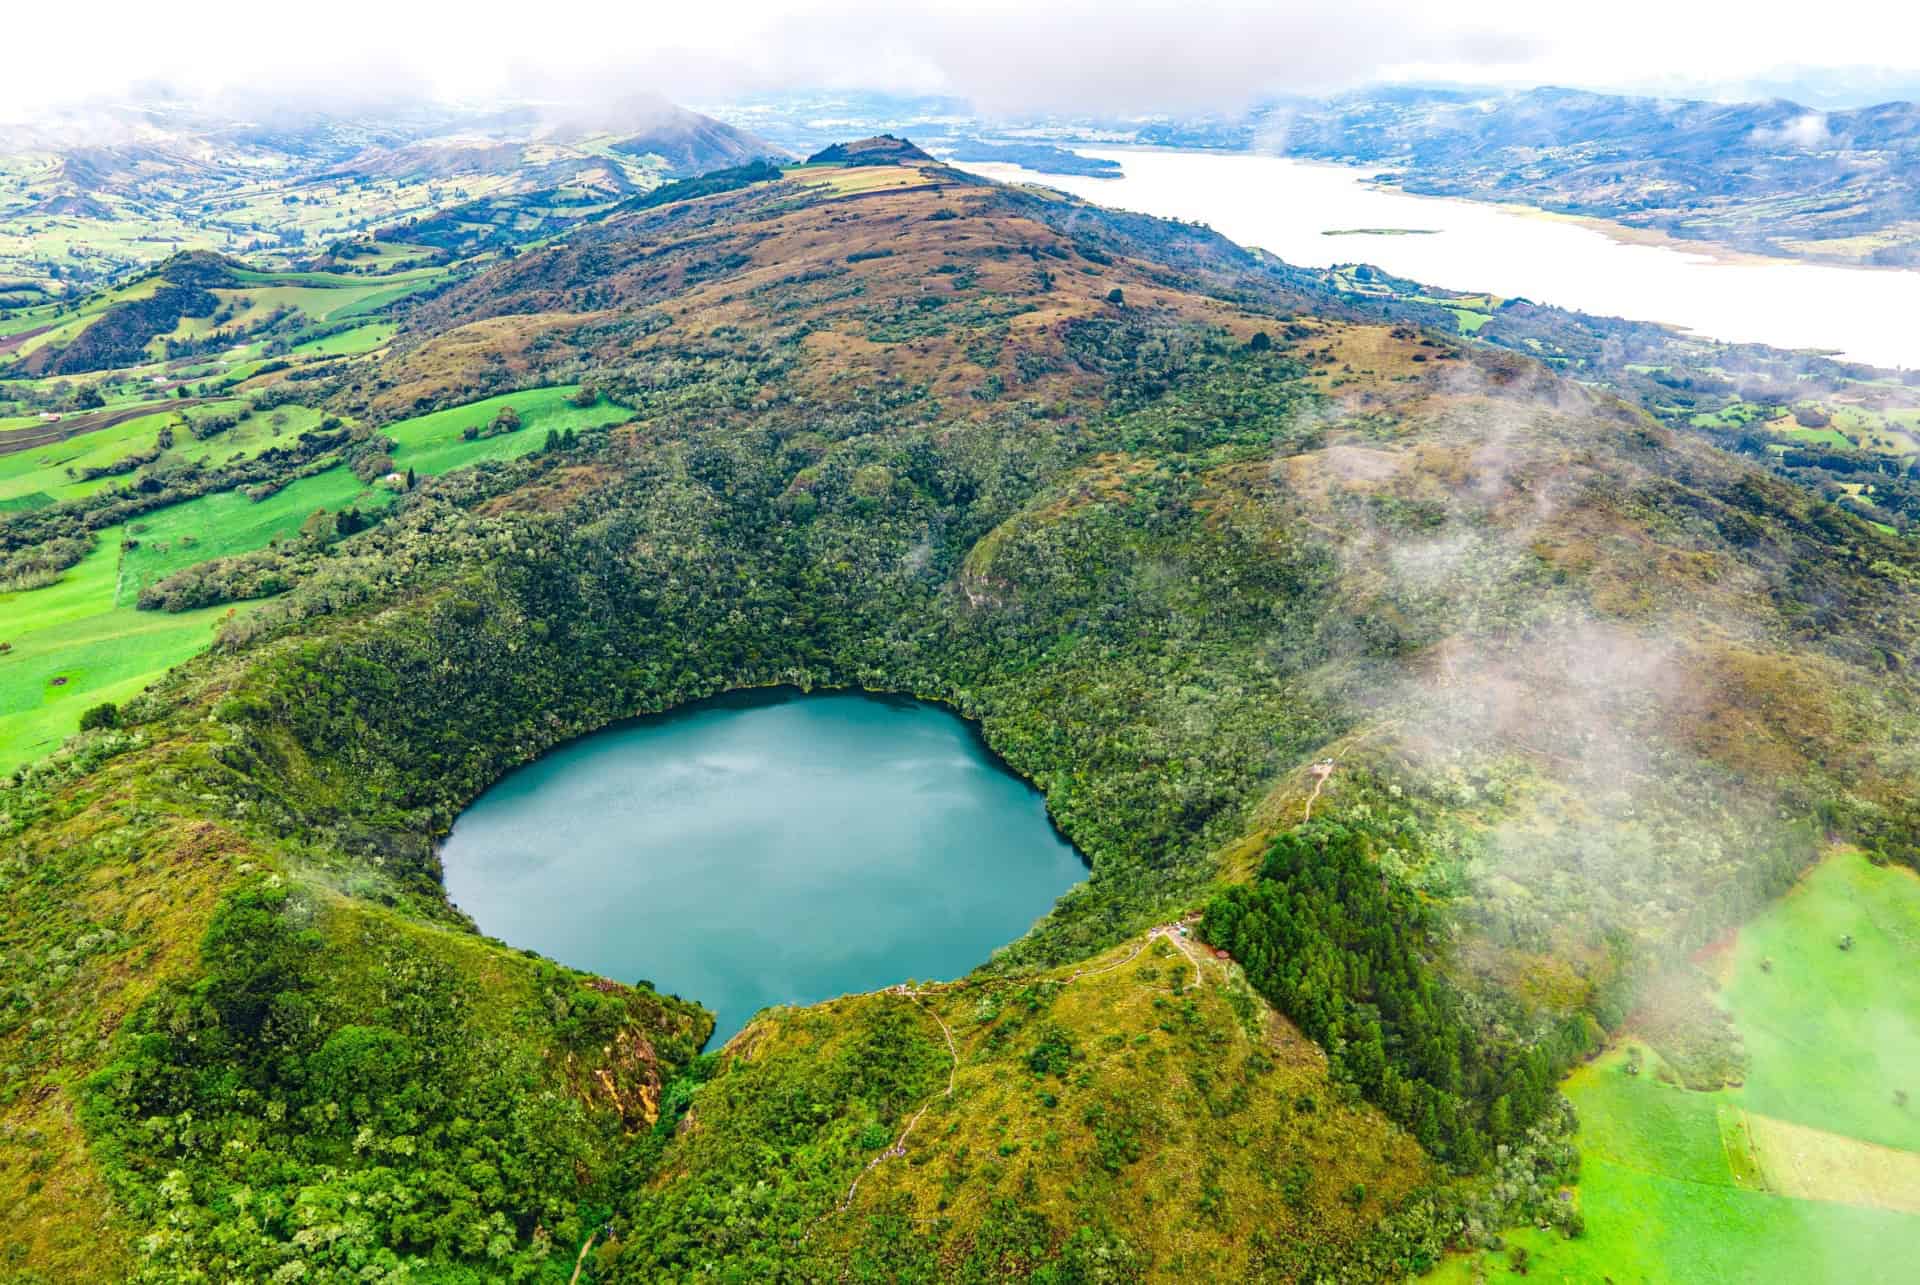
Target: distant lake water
764, 848
1286, 206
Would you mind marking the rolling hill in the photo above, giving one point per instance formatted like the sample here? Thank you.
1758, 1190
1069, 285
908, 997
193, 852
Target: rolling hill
690, 143
94, 194
1772, 176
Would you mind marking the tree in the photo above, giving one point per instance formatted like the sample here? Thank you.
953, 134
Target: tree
507, 420
105, 714
1500, 1117
1116, 295
1261, 342
410, 479
89, 398
318, 527
180, 391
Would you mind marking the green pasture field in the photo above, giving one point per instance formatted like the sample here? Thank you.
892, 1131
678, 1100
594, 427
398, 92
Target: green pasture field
1834, 1033
360, 339
84, 628
227, 522
1816, 436
389, 257
71, 630
432, 443
1733, 415
1667, 1231
43, 470
1672, 1185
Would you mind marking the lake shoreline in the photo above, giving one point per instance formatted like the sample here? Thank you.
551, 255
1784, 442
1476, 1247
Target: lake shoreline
1614, 229
1286, 206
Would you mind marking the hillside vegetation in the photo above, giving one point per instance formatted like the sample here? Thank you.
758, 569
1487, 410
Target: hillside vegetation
1199, 543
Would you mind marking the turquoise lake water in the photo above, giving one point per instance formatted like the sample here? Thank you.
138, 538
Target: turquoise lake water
764, 848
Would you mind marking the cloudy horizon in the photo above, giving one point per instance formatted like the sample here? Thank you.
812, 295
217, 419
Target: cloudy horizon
1002, 56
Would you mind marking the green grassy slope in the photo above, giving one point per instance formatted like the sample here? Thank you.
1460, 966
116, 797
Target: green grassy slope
49, 471
432, 443
73, 647
227, 522
1834, 1033
85, 629
1673, 1186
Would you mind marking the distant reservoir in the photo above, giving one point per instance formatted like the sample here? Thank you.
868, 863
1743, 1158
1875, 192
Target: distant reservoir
764, 848
1287, 206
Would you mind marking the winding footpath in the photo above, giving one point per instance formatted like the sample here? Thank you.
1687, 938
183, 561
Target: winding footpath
1173, 932
1321, 771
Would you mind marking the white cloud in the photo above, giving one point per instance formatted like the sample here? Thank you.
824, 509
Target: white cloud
1117, 55
1804, 132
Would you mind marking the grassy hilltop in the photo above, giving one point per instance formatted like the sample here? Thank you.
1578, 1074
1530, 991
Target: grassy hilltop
1175, 524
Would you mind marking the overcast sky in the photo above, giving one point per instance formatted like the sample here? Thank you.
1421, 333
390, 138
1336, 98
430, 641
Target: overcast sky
1014, 55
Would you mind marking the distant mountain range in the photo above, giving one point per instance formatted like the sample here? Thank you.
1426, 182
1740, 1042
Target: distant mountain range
1772, 176
89, 194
